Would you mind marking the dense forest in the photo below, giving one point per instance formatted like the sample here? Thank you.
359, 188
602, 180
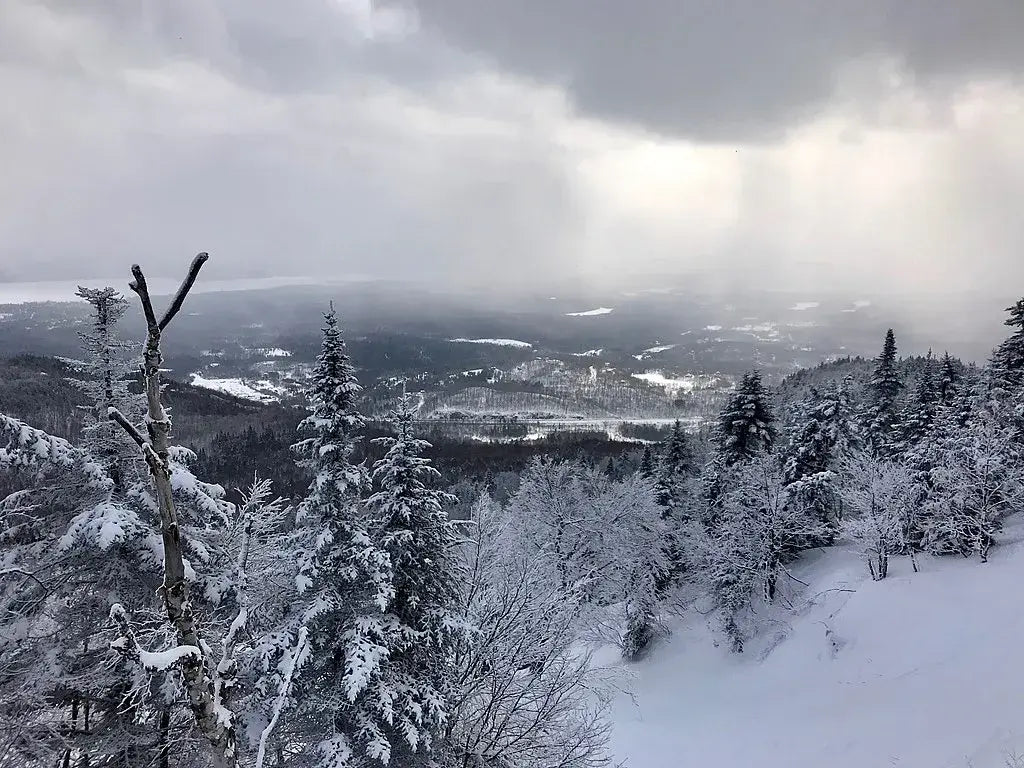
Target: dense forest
188, 579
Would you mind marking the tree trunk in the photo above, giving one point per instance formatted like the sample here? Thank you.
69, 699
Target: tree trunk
199, 682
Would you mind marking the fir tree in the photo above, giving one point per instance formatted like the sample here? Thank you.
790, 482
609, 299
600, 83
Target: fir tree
948, 378
106, 370
420, 628
342, 572
647, 463
675, 466
922, 407
1008, 360
747, 424
823, 436
885, 389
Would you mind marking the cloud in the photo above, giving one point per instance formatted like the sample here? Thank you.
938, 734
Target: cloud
402, 141
733, 70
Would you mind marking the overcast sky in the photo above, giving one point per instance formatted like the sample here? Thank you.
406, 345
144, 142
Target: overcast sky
795, 141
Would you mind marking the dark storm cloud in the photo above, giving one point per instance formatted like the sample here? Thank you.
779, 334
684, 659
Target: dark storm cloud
723, 70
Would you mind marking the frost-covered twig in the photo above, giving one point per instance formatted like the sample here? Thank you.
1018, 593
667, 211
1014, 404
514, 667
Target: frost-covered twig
283, 692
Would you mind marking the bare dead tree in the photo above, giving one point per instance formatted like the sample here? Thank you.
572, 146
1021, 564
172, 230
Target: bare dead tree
202, 684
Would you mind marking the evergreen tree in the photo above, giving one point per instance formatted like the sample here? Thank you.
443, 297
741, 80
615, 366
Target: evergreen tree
106, 370
342, 573
822, 438
418, 631
1008, 360
747, 424
922, 407
675, 467
948, 378
647, 463
885, 390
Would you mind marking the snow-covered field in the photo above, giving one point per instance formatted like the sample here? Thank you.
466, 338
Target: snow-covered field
496, 342
258, 391
926, 671
591, 312
671, 386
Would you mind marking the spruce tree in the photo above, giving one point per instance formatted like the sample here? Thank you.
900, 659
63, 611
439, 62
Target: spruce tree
922, 407
885, 390
675, 466
1008, 360
948, 378
342, 573
420, 628
747, 424
822, 438
106, 370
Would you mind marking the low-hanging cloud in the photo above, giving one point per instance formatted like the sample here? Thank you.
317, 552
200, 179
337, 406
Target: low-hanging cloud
494, 143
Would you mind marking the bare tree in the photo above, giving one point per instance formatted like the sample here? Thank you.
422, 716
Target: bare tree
205, 684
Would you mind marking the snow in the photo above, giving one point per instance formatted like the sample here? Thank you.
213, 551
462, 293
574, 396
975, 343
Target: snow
496, 342
921, 669
671, 386
589, 353
654, 350
275, 352
803, 306
165, 659
260, 391
591, 312
712, 327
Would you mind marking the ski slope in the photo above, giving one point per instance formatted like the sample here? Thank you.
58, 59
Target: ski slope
922, 670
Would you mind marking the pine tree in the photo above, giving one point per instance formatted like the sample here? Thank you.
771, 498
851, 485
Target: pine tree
922, 407
948, 378
886, 386
342, 573
747, 424
675, 467
418, 631
823, 436
1008, 360
333, 424
647, 463
106, 370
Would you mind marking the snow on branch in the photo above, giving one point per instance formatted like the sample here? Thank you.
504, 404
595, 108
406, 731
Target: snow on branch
128, 646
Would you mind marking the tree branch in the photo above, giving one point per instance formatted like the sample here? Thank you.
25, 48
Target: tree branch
115, 415
184, 288
139, 286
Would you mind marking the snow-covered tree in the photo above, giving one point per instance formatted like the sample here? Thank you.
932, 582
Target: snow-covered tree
525, 695
949, 377
1008, 359
760, 529
922, 408
88, 524
974, 481
822, 437
407, 646
206, 680
747, 424
105, 371
886, 385
882, 498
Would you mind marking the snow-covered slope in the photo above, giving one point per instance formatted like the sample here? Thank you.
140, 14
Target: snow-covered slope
922, 670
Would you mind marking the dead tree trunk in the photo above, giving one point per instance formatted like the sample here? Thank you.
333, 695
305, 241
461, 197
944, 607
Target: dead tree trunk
212, 718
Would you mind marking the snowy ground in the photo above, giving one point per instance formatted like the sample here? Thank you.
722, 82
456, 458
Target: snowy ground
927, 672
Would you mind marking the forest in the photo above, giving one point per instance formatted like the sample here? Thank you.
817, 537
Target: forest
325, 590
